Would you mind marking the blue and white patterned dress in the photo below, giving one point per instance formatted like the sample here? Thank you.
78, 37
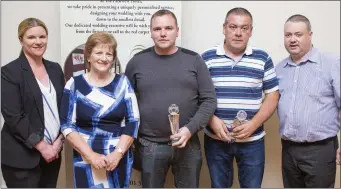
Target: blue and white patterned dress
100, 115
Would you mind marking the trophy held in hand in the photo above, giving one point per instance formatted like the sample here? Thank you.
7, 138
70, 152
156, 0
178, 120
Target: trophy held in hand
239, 120
173, 118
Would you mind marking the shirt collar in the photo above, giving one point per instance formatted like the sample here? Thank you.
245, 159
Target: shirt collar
221, 50
311, 57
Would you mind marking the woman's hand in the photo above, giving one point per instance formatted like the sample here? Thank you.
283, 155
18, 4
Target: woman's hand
113, 159
98, 161
46, 150
58, 144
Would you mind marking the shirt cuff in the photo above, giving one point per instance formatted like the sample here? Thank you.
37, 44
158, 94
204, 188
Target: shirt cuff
68, 131
33, 139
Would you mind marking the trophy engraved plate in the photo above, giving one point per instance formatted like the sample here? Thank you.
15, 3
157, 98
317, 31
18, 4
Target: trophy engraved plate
173, 118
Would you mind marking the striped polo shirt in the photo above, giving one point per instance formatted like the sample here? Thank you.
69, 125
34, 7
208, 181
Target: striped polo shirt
240, 84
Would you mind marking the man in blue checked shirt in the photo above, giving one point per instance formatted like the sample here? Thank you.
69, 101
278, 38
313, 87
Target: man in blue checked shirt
308, 109
246, 84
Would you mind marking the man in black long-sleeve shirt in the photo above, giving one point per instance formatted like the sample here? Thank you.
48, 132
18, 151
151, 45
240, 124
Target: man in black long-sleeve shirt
163, 75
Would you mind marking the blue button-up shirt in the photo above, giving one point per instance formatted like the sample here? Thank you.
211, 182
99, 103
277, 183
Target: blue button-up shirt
309, 104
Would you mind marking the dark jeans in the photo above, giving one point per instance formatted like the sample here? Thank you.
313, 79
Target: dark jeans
45, 175
309, 165
250, 158
156, 158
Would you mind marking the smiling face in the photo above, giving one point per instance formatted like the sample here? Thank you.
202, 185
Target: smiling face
101, 58
34, 42
297, 39
100, 51
164, 32
237, 31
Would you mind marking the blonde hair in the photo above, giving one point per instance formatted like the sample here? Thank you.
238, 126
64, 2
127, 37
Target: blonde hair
29, 23
101, 38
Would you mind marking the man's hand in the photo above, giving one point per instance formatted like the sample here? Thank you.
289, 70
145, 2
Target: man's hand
98, 161
113, 159
182, 136
244, 130
338, 156
46, 150
219, 128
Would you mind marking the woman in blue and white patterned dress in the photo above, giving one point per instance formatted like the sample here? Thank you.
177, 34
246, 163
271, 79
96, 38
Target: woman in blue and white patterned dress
100, 118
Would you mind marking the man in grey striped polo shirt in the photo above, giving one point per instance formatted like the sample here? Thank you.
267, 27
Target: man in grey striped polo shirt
245, 81
308, 109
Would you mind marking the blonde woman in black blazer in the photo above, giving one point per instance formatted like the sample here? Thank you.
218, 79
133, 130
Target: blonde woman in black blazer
30, 152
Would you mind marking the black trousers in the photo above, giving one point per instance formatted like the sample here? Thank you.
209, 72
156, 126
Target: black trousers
309, 165
45, 175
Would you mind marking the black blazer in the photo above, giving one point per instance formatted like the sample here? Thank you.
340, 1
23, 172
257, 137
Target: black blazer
22, 109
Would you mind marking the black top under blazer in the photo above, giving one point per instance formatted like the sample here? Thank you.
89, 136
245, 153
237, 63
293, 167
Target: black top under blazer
22, 110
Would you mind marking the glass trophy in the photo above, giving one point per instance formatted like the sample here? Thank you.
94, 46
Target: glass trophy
238, 120
173, 118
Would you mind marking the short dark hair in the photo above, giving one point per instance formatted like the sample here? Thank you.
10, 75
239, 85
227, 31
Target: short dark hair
300, 18
238, 11
163, 12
